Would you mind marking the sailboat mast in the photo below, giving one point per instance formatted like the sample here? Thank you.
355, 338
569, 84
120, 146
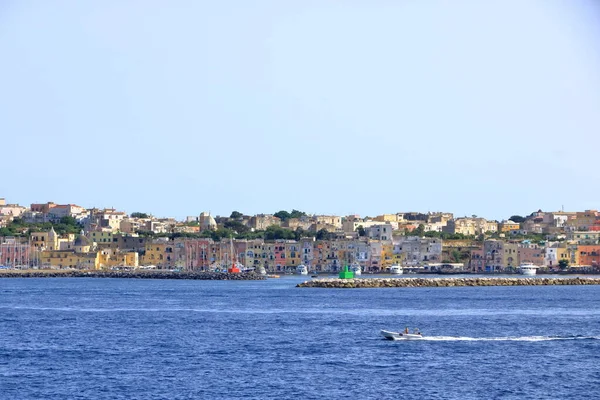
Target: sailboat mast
231, 252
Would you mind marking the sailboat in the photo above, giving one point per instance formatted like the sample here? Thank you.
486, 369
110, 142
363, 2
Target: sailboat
234, 269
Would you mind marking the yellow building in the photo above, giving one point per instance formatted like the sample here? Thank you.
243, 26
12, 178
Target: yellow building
292, 254
69, 259
160, 254
507, 226
45, 240
387, 254
267, 256
101, 237
510, 255
388, 218
109, 258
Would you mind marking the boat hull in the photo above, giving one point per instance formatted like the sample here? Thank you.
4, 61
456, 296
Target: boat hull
528, 269
389, 335
395, 270
528, 272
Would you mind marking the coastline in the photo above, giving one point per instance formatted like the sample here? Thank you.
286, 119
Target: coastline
442, 282
138, 274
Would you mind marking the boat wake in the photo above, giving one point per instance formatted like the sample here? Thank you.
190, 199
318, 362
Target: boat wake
506, 338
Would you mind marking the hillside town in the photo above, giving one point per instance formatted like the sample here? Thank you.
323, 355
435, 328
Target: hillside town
68, 236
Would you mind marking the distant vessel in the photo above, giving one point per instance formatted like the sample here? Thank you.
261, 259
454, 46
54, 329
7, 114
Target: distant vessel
406, 335
302, 269
261, 270
355, 267
528, 268
396, 270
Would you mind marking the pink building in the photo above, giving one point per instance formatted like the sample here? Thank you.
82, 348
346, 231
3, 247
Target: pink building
532, 255
477, 262
13, 254
197, 254
279, 256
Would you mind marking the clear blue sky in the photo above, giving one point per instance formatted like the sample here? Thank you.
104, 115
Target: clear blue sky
177, 107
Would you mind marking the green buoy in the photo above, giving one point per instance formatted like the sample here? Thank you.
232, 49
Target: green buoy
346, 273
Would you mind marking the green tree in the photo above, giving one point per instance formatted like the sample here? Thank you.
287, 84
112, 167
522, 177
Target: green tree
419, 231
275, 232
517, 218
139, 215
221, 233
236, 226
456, 256
324, 234
283, 215
299, 233
563, 264
297, 214
236, 215
361, 231
68, 220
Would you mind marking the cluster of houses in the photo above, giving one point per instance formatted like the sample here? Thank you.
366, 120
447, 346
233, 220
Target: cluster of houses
113, 239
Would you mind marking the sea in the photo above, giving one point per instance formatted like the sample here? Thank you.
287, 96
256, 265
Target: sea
93, 338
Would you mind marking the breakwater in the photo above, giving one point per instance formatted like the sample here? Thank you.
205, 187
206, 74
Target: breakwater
442, 282
136, 274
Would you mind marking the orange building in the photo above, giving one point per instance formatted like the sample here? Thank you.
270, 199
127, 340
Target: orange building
589, 255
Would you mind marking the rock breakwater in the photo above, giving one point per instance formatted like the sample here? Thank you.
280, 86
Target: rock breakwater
442, 282
216, 276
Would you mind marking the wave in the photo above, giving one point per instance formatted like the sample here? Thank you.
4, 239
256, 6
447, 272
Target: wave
506, 338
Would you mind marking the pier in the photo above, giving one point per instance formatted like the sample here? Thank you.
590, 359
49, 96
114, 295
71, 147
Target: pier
135, 274
442, 282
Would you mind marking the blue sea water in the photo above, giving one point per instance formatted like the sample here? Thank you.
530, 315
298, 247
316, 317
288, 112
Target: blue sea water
76, 338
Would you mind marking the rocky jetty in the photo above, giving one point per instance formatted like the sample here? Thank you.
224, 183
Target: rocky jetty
442, 282
135, 274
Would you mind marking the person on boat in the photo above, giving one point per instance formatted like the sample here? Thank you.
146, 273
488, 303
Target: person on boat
406, 330
417, 331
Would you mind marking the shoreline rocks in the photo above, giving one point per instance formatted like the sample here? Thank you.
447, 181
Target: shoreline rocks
361, 283
141, 274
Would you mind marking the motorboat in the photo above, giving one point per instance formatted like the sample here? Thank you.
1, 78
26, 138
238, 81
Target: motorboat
528, 268
389, 335
302, 269
396, 270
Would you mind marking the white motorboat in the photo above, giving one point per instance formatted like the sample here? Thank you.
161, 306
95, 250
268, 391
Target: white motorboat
302, 269
396, 270
528, 268
389, 335
356, 269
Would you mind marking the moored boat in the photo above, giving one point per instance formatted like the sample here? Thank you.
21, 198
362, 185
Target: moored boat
302, 269
396, 269
528, 268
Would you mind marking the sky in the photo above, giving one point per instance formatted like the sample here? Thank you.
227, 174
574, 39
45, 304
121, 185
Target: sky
356, 107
